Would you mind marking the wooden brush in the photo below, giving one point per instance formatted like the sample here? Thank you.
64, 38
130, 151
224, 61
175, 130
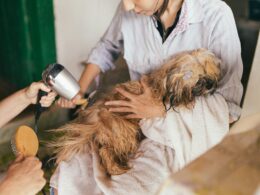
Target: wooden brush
25, 142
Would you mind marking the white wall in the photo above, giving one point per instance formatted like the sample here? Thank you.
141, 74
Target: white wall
79, 25
252, 97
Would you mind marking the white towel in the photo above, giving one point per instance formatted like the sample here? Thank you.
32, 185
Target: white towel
171, 143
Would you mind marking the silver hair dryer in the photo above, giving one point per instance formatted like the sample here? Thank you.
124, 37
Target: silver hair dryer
59, 79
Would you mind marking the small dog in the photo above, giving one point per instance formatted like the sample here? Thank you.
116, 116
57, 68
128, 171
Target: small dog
116, 138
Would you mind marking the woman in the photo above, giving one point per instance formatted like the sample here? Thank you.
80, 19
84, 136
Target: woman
149, 32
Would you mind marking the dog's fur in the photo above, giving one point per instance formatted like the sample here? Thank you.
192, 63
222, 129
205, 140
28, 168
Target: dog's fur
115, 138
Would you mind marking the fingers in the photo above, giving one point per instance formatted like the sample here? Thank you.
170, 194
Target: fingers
62, 102
41, 183
35, 86
19, 158
47, 100
17, 161
33, 161
37, 174
126, 94
123, 106
133, 116
35, 164
43, 87
121, 109
31, 93
76, 99
118, 103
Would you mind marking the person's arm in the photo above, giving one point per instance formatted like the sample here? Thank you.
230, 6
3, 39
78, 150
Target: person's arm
90, 72
16, 103
24, 177
225, 44
101, 58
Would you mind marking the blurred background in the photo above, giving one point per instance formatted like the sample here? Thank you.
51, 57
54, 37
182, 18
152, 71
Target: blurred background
35, 33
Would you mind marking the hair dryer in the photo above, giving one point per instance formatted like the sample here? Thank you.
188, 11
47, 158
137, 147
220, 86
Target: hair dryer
59, 79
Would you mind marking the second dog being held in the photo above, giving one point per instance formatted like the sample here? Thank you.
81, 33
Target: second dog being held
115, 137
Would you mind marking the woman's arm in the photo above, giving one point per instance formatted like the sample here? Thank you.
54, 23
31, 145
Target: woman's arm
12, 106
16, 103
90, 72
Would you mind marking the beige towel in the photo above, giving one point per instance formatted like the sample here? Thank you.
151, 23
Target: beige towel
171, 143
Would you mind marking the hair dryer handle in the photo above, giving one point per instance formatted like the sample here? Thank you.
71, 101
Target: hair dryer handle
38, 108
39, 96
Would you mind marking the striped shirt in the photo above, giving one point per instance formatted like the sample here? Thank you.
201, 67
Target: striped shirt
202, 24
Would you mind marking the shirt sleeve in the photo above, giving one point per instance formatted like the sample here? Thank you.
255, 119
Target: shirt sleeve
110, 45
225, 43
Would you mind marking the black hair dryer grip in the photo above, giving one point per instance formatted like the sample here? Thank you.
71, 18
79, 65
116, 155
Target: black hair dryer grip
38, 108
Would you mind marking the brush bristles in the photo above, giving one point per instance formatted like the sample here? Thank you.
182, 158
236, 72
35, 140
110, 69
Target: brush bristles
13, 146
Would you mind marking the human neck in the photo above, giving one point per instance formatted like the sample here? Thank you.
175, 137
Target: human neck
169, 16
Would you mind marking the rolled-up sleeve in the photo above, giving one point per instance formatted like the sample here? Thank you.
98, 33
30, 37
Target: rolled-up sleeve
110, 45
225, 43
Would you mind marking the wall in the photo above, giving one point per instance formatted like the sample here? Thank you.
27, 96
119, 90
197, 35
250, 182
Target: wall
252, 98
239, 7
79, 25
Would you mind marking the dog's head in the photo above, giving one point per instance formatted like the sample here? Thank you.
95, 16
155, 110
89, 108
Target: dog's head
190, 74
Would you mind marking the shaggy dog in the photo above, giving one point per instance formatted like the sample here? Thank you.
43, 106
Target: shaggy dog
116, 138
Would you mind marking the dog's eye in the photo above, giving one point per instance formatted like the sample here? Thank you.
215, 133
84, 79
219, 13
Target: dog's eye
210, 83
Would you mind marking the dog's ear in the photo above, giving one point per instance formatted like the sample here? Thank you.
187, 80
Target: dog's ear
205, 85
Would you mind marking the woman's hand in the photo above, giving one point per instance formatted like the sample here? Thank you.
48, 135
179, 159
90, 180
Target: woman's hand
31, 94
64, 103
140, 106
24, 177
